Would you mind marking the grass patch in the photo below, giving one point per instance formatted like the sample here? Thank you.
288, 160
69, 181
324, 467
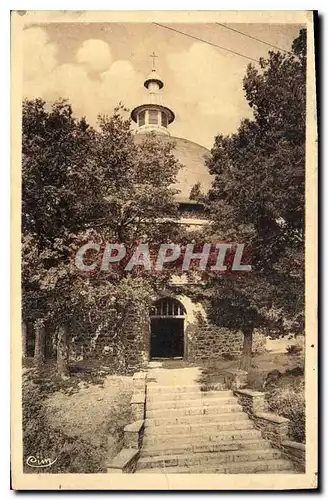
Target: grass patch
214, 371
82, 374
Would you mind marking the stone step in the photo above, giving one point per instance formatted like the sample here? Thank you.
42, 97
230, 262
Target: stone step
178, 448
200, 438
276, 466
196, 410
157, 397
187, 460
196, 419
179, 389
199, 428
210, 400
153, 388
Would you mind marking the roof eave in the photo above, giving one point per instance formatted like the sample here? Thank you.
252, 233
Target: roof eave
135, 111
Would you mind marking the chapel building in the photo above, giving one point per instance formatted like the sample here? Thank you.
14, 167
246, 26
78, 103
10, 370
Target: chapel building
176, 326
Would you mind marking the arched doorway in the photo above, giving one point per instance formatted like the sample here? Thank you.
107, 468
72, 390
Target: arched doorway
167, 329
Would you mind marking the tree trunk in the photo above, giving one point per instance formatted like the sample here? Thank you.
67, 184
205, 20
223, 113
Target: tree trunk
24, 339
62, 352
246, 356
39, 354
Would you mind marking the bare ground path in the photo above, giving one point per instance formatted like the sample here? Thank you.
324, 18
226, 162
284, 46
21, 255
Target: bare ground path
172, 373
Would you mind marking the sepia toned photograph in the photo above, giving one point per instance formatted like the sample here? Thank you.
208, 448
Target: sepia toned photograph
164, 170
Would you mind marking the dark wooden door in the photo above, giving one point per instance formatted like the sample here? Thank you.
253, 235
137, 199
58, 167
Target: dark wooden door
167, 339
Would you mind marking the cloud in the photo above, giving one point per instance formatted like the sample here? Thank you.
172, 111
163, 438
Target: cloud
122, 83
95, 55
121, 69
212, 83
91, 81
203, 86
39, 55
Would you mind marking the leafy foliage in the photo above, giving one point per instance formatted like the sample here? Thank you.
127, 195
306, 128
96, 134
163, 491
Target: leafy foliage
289, 402
258, 198
294, 349
81, 184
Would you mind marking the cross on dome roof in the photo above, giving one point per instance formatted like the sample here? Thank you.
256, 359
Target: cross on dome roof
153, 56
154, 77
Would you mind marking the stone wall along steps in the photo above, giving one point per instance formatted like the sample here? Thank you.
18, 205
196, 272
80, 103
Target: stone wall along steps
192, 431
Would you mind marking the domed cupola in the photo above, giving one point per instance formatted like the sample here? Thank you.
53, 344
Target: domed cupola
153, 81
153, 116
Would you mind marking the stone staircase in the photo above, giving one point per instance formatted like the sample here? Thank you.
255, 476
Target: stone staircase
191, 431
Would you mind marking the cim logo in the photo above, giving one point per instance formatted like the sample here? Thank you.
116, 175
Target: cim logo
38, 462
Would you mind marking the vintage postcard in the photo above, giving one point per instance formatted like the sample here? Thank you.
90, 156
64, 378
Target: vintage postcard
164, 242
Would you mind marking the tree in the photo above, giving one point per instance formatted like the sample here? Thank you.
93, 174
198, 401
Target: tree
39, 353
55, 155
80, 184
135, 195
258, 197
137, 203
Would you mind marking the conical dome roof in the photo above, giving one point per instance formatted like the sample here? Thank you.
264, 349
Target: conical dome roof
193, 158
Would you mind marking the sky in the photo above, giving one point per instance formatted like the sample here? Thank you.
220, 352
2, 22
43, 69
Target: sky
98, 65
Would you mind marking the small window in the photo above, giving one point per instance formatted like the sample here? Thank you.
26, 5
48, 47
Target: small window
164, 120
153, 117
142, 118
